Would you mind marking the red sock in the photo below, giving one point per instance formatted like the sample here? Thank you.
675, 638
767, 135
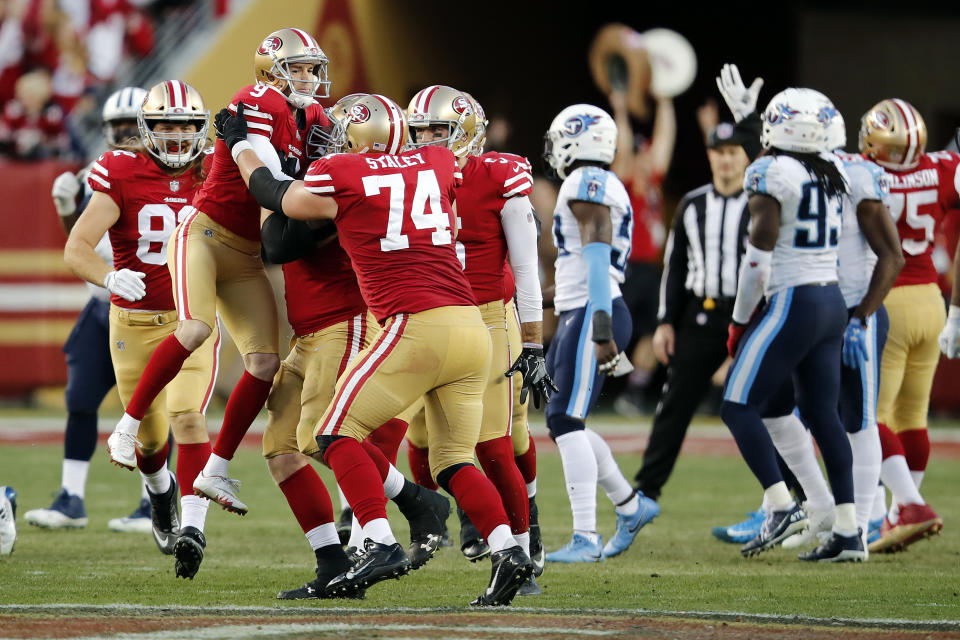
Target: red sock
379, 460
388, 436
420, 466
155, 461
190, 461
890, 444
164, 365
478, 497
244, 404
308, 498
916, 448
496, 458
357, 476
527, 463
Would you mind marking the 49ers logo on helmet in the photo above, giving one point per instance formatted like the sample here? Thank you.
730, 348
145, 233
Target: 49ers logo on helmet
879, 120
461, 105
269, 45
359, 113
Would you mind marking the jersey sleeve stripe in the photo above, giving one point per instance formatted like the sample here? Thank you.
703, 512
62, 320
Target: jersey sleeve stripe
261, 127
99, 167
318, 176
326, 189
510, 181
518, 189
251, 113
458, 175
96, 178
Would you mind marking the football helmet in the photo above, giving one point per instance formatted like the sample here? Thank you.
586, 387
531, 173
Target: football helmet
442, 105
122, 104
580, 132
893, 134
796, 120
836, 133
374, 123
175, 102
480, 137
322, 141
280, 49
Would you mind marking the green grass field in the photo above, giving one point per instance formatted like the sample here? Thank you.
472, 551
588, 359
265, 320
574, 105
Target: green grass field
674, 565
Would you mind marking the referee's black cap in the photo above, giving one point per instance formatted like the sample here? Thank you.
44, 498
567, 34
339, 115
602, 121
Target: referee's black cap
725, 133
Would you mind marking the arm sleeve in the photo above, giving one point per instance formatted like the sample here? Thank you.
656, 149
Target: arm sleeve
267, 154
673, 281
748, 130
285, 240
517, 218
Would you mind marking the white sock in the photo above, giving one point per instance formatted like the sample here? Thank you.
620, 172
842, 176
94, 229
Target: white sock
193, 511
143, 490
765, 503
865, 445
793, 443
778, 497
893, 515
343, 499
73, 477
379, 530
896, 475
523, 539
157, 482
592, 536
532, 488
580, 473
129, 425
917, 478
501, 538
393, 484
879, 503
356, 534
216, 466
323, 536
609, 475
630, 507
846, 523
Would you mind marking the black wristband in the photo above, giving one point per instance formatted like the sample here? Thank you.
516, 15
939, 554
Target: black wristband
268, 190
602, 326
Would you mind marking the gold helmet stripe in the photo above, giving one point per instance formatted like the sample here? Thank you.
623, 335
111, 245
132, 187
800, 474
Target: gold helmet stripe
913, 138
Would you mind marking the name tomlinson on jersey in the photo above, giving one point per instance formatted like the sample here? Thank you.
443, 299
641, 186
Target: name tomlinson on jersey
924, 178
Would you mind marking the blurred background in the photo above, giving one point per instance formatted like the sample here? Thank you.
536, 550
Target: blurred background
524, 61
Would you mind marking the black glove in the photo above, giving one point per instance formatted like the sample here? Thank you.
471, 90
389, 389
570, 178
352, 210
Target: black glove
231, 128
531, 366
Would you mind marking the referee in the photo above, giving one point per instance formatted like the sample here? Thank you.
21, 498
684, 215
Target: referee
697, 290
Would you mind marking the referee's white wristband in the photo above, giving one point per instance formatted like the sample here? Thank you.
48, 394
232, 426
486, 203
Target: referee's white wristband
239, 148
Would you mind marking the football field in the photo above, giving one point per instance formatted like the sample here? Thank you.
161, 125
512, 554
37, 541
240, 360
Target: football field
676, 580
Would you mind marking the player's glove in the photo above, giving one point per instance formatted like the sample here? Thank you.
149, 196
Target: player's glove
64, 192
734, 333
854, 345
741, 100
950, 336
530, 364
232, 129
126, 283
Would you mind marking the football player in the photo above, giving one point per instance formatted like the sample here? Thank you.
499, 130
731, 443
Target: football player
396, 220
217, 264
593, 224
923, 186
140, 194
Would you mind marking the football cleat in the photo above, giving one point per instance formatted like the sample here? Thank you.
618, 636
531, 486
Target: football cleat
188, 551
817, 523
222, 490
629, 526
122, 448
743, 531
8, 520
472, 544
916, 521
579, 549
377, 562
427, 516
343, 526
536, 542
873, 530
317, 589
137, 522
66, 512
509, 569
530, 587
165, 517
777, 526
837, 548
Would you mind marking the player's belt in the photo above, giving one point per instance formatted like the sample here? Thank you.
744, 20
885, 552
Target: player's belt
147, 318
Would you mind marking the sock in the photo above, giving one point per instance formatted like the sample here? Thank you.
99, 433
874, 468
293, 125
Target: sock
323, 535
73, 477
164, 365
500, 539
865, 445
331, 560
155, 461
193, 510
379, 460
80, 436
609, 476
343, 499
527, 463
378, 530
496, 459
879, 503
532, 488
477, 496
394, 483
357, 476
777, 496
419, 460
216, 466
143, 490
765, 503
580, 473
190, 461
916, 448
917, 478
793, 443
630, 506
896, 475
157, 482
356, 533
388, 436
245, 402
309, 501
523, 539
846, 522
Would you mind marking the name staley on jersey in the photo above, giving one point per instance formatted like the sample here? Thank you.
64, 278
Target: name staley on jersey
395, 162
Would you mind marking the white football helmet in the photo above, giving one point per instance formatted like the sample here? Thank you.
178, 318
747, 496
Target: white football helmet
796, 120
580, 132
122, 104
836, 133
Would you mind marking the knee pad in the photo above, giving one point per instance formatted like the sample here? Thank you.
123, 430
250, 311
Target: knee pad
562, 424
444, 477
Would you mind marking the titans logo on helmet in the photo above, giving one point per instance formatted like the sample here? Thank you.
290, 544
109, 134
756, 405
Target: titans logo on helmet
781, 113
826, 115
577, 124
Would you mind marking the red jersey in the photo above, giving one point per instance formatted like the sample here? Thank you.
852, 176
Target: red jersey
321, 289
648, 230
488, 182
224, 196
919, 199
152, 203
394, 221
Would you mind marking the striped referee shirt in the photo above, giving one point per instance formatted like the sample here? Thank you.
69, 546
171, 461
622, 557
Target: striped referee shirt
704, 249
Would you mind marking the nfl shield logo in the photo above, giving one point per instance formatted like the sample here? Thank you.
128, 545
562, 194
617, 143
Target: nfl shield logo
174, 185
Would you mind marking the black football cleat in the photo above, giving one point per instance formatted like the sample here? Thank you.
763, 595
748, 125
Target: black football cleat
530, 587
165, 517
536, 542
472, 544
837, 548
344, 524
426, 511
777, 527
188, 551
510, 568
377, 562
329, 566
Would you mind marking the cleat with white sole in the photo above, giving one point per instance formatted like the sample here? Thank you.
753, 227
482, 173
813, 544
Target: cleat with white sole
222, 490
137, 522
122, 448
66, 512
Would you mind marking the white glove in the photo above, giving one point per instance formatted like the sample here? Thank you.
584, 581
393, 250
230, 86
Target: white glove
64, 192
741, 100
950, 336
126, 284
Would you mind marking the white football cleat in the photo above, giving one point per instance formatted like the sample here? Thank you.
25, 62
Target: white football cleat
8, 520
123, 449
220, 489
137, 522
818, 522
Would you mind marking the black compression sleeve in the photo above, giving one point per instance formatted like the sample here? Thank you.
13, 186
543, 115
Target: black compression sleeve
285, 240
268, 190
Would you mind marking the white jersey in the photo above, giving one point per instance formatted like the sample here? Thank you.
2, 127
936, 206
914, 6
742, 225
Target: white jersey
588, 184
806, 249
855, 267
